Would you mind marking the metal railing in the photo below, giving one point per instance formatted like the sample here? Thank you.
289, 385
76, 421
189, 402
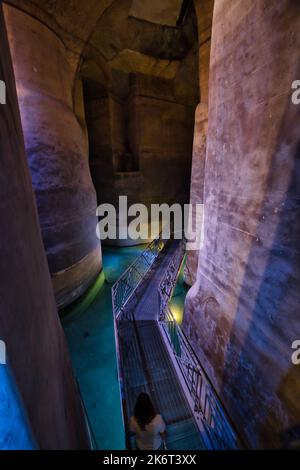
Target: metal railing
126, 286
124, 294
219, 431
169, 279
206, 403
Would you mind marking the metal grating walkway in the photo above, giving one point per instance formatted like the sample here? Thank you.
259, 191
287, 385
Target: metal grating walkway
147, 366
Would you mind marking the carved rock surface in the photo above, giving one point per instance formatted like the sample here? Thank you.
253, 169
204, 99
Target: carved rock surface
35, 344
57, 153
243, 312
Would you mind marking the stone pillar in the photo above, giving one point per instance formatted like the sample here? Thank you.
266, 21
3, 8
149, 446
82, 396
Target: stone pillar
204, 11
29, 324
57, 153
197, 184
98, 112
242, 314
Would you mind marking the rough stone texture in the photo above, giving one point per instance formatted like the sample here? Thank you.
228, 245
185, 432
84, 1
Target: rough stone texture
72, 20
151, 130
164, 12
204, 11
136, 62
111, 42
162, 140
242, 314
141, 88
28, 318
75, 22
57, 152
197, 185
116, 31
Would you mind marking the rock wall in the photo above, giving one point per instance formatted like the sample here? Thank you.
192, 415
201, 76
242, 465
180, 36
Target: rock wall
141, 90
162, 139
242, 314
29, 324
140, 144
204, 12
71, 20
57, 153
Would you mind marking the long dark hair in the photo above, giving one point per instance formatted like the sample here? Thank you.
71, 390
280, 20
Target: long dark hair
144, 411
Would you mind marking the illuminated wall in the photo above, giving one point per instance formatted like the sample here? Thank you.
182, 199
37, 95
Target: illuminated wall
57, 153
242, 314
29, 324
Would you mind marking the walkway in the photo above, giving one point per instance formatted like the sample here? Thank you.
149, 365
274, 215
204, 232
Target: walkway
147, 366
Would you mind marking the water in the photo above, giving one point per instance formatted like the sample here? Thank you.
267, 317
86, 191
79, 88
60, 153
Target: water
89, 330
178, 298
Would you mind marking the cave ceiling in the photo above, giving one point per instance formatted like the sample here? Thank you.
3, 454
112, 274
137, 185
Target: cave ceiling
111, 25
127, 35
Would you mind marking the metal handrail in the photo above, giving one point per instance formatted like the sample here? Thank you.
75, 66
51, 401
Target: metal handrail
123, 291
168, 282
205, 401
219, 430
125, 287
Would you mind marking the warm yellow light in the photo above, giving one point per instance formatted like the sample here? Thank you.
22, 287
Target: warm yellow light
177, 312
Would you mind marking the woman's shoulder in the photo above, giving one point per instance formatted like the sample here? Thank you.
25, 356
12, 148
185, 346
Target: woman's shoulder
159, 423
158, 418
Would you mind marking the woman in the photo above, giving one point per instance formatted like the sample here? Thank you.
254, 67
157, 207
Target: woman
148, 426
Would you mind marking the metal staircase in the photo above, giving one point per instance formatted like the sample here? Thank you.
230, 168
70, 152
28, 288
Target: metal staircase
155, 356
